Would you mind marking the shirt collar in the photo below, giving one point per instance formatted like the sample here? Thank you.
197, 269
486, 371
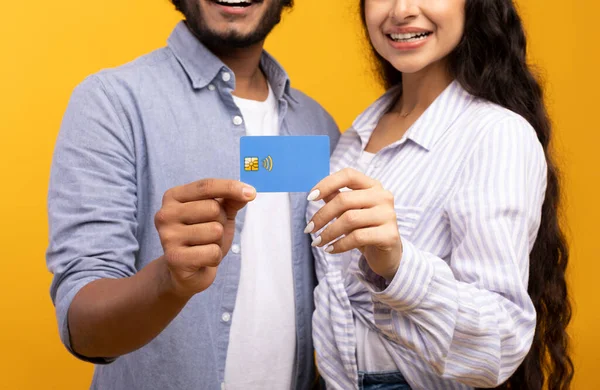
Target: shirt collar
202, 66
430, 126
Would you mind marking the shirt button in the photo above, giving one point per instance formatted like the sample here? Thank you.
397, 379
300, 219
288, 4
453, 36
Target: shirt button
226, 76
235, 248
226, 317
211, 87
237, 120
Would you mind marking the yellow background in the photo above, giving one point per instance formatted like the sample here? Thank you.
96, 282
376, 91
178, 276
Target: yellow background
47, 47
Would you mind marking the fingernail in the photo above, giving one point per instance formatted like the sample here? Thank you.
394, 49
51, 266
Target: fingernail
329, 249
248, 192
310, 227
317, 241
313, 195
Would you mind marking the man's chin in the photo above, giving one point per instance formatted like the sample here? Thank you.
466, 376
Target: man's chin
232, 40
220, 25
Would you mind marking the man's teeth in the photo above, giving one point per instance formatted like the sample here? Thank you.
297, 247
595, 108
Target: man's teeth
235, 2
409, 37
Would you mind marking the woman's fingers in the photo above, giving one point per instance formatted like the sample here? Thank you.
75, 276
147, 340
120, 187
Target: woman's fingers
347, 177
349, 200
353, 220
383, 238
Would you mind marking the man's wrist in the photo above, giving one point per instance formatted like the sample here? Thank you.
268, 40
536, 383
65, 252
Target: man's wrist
167, 288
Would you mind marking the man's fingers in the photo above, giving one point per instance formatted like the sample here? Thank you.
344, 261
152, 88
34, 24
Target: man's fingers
193, 258
202, 211
191, 235
190, 213
211, 189
201, 234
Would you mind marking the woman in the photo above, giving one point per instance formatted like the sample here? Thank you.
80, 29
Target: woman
440, 260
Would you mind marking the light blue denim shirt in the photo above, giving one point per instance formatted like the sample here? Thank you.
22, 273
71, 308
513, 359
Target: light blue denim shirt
128, 135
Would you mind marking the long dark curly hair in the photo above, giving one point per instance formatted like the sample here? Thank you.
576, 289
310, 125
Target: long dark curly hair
490, 62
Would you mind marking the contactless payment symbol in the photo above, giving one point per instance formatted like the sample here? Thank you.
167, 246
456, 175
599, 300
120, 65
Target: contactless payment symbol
268, 163
251, 164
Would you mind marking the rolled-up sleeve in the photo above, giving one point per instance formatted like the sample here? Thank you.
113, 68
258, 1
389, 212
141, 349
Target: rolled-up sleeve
91, 199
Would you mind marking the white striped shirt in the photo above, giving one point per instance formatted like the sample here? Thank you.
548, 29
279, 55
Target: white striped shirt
469, 179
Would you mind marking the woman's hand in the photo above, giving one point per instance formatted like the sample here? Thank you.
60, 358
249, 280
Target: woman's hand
366, 220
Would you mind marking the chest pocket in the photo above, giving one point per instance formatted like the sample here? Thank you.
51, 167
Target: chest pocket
408, 217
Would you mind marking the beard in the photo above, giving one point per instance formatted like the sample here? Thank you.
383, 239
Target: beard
195, 21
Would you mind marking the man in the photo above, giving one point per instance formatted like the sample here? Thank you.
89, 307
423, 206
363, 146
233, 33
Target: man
162, 276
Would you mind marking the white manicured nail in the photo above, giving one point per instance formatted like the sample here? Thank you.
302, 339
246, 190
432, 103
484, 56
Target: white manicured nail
310, 227
313, 195
316, 241
329, 249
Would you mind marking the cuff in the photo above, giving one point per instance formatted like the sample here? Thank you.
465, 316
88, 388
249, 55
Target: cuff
62, 312
409, 286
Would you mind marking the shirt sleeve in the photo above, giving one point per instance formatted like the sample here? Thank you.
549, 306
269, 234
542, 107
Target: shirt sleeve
471, 317
91, 200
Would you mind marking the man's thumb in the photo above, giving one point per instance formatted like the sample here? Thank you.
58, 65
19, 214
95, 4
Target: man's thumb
232, 206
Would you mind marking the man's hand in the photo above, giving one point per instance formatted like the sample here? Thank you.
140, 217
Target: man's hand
196, 225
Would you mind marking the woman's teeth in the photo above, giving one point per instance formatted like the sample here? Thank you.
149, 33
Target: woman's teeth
409, 37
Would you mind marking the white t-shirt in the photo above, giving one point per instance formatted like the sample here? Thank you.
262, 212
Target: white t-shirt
262, 342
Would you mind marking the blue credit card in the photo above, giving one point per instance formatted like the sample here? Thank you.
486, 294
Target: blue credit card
284, 163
